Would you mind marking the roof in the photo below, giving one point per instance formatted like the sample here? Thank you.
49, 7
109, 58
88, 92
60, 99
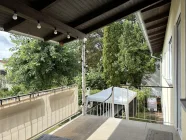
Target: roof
74, 17
122, 96
3, 61
155, 18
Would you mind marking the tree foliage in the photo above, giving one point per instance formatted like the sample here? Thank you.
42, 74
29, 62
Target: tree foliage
112, 34
126, 58
40, 65
134, 56
94, 49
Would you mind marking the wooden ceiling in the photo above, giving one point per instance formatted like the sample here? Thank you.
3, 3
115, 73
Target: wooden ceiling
78, 17
155, 18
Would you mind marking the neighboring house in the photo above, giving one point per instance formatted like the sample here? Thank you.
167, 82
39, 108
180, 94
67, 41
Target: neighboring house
172, 36
154, 80
2, 67
3, 81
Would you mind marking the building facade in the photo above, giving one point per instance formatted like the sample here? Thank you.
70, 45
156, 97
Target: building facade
173, 68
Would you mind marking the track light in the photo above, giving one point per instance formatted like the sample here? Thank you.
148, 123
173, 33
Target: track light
55, 31
68, 36
38, 25
14, 16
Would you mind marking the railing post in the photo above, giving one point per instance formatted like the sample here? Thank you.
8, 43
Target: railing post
127, 107
113, 102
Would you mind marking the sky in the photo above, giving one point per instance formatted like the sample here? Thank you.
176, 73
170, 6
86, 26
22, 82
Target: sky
5, 45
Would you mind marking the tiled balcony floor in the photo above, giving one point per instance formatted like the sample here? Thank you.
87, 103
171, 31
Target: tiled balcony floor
102, 128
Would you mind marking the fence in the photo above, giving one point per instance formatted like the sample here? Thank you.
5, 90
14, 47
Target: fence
146, 106
23, 117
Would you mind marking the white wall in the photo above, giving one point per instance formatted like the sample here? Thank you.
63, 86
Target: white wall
169, 95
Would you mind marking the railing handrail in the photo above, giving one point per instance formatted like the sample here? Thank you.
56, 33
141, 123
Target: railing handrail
35, 93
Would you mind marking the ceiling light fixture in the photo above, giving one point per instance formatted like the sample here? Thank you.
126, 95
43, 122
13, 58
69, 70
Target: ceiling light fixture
68, 36
38, 25
55, 31
14, 16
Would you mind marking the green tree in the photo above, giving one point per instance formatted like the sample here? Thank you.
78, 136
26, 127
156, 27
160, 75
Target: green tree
111, 48
134, 56
41, 65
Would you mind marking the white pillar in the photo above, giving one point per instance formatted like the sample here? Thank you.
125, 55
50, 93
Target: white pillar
83, 77
127, 107
113, 102
127, 111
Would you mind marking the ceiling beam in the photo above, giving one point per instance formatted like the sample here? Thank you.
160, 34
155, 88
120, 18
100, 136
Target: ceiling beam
51, 36
157, 5
119, 15
97, 12
41, 4
38, 5
31, 14
162, 24
158, 17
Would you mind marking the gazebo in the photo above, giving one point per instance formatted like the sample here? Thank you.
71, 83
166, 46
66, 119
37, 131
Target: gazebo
122, 97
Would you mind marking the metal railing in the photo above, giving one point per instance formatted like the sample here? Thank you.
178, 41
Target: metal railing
147, 106
37, 113
12, 99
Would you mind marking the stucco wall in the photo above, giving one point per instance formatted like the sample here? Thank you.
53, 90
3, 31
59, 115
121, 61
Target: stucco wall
24, 119
169, 97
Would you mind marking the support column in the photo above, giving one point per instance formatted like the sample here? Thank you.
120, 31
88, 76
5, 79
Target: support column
127, 111
83, 78
127, 106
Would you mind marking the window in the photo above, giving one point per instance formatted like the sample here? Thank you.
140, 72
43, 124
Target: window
170, 60
167, 63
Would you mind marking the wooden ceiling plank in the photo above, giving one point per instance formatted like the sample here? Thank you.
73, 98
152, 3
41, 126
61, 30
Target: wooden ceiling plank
158, 46
120, 15
156, 38
158, 17
157, 5
162, 24
31, 14
161, 31
157, 41
97, 12
8, 26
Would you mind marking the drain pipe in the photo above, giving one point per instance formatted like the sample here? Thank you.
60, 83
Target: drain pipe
141, 23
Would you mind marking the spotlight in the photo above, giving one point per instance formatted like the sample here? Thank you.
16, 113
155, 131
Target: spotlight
38, 25
14, 16
68, 36
55, 31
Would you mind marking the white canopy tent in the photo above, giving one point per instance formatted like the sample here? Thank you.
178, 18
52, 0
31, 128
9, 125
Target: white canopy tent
122, 96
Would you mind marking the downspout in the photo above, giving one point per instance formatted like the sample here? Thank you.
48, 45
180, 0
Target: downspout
141, 23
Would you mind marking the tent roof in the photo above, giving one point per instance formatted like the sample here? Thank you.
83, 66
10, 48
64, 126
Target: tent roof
120, 96
74, 17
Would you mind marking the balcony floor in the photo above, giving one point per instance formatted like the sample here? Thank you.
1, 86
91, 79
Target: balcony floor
102, 128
